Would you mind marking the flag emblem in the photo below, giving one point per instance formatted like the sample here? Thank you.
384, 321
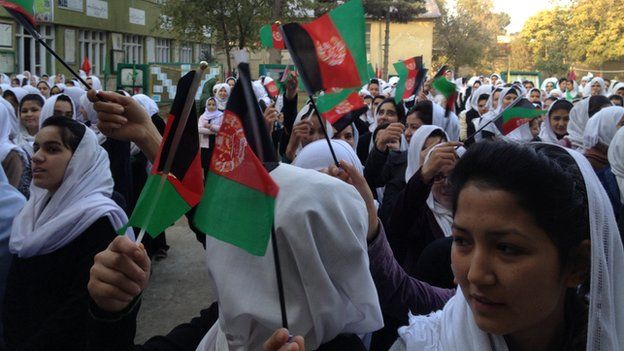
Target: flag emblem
277, 36
344, 107
333, 52
230, 145
409, 83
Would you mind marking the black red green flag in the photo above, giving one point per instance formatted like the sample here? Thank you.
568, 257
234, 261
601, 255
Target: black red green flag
513, 117
182, 188
411, 75
330, 52
333, 106
271, 36
445, 87
239, 202
24, 8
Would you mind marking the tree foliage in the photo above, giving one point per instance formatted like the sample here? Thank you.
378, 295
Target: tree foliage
466, 35
588, 32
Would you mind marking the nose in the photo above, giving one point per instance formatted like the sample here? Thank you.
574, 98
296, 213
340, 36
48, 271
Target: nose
480, 272
38, 157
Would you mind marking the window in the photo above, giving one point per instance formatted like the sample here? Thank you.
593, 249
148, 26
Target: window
93, 45
163, 50
133, 47
368, 40
186, 53
32, 56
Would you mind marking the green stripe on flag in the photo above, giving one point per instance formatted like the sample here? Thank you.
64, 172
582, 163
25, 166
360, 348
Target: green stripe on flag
326, 102
266, 36
521, 112
349, 21
236, 214
402, 73
371, 71
444, 86
167, 209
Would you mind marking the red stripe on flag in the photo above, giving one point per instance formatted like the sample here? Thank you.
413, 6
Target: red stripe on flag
410, 80
278, 39
271, 88
351, 103
513, 124
234, 159
335, 61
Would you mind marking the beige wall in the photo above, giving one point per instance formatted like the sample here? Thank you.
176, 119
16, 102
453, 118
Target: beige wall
406, 40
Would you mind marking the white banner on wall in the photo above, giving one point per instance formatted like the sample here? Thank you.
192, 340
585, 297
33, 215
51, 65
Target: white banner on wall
97, 8
136, 16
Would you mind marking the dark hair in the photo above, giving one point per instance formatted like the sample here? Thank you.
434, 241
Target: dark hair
551, 98
32, 97
437, 133
72, 131
564, 79
547, 183
483, 97
9, 93
52, 89
64, 97
560, 104
544, 179
399, 108
620, 99
426, 111
597, 103
379, 97
43, 82
373, 81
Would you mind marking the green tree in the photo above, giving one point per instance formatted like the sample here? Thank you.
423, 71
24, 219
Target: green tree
467, 35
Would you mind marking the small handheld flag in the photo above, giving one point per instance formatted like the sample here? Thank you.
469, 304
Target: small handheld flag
334, 106
517, 115
411, 75
271, 36
448, 89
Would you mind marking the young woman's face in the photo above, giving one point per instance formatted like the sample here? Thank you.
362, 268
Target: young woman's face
376, 103
507, 267
412, 123
387, 113
346, 135
222, 93
50, 159
29, 115
316, 133
547, 103
55, 90
559, 120
63, 108
211, 105
373, 89
476, 85
535, 127
368, 100
495, 99
535, 96
15, 83
508, 99
620, 92
231, 83
549, 87
482, 107
44, 90
595, 88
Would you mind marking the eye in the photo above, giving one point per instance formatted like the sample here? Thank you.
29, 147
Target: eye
508, 249
460, 241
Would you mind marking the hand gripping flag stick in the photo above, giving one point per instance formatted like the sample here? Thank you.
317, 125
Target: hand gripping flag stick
177, 136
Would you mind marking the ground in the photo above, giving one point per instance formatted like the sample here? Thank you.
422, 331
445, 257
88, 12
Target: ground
178, 288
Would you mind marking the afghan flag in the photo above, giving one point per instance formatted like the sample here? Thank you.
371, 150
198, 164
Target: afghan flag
520, 113
270, 87
21, 8
448, 89
271, 37
165, 198
332, 106
411, 75
239, 202
330, 52
86, 66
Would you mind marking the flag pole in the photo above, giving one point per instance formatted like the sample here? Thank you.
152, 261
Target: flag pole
253, 108
188, 104
35, 34
310, 96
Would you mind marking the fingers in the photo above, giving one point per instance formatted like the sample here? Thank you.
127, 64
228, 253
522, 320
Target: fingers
279, 338
122, 287
113, 97
337, 172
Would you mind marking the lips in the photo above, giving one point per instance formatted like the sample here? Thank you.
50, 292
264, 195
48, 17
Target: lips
482, 304
38, 170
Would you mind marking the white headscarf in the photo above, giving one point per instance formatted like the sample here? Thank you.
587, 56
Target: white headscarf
47, 110
92, 117
31, 89
553, 80
18, 92
75, 94
528, 94
450, 124
546, 133
616, 160
95, 83
221, 103
616, 87
500, 80
454, 328
599, 80
602, 126
320, 225
579, 115
82, 198
316, 155
473, 101
493, 113
416, 144
148, 103
6, 129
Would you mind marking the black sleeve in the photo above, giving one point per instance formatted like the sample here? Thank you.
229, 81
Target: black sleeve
290, 114
115, 332
374, 167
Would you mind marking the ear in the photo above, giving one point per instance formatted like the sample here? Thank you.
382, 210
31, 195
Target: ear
578, 267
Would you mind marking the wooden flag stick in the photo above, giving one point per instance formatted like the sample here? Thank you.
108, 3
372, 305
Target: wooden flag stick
177, 136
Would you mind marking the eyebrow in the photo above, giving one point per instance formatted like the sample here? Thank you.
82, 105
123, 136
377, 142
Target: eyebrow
497, 233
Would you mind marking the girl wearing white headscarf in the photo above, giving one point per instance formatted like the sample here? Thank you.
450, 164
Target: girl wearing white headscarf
596, 86
51, 108
14, 96
618, 89
76, 94
95, 82
480, 318
616, 161
320, 225
209, 124
29, 114
55, 237
317, 155
549, 84
598, 134
11, 156
222, 94
547, 134
490, 129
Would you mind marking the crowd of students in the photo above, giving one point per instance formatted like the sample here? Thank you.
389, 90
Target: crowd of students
427, 237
